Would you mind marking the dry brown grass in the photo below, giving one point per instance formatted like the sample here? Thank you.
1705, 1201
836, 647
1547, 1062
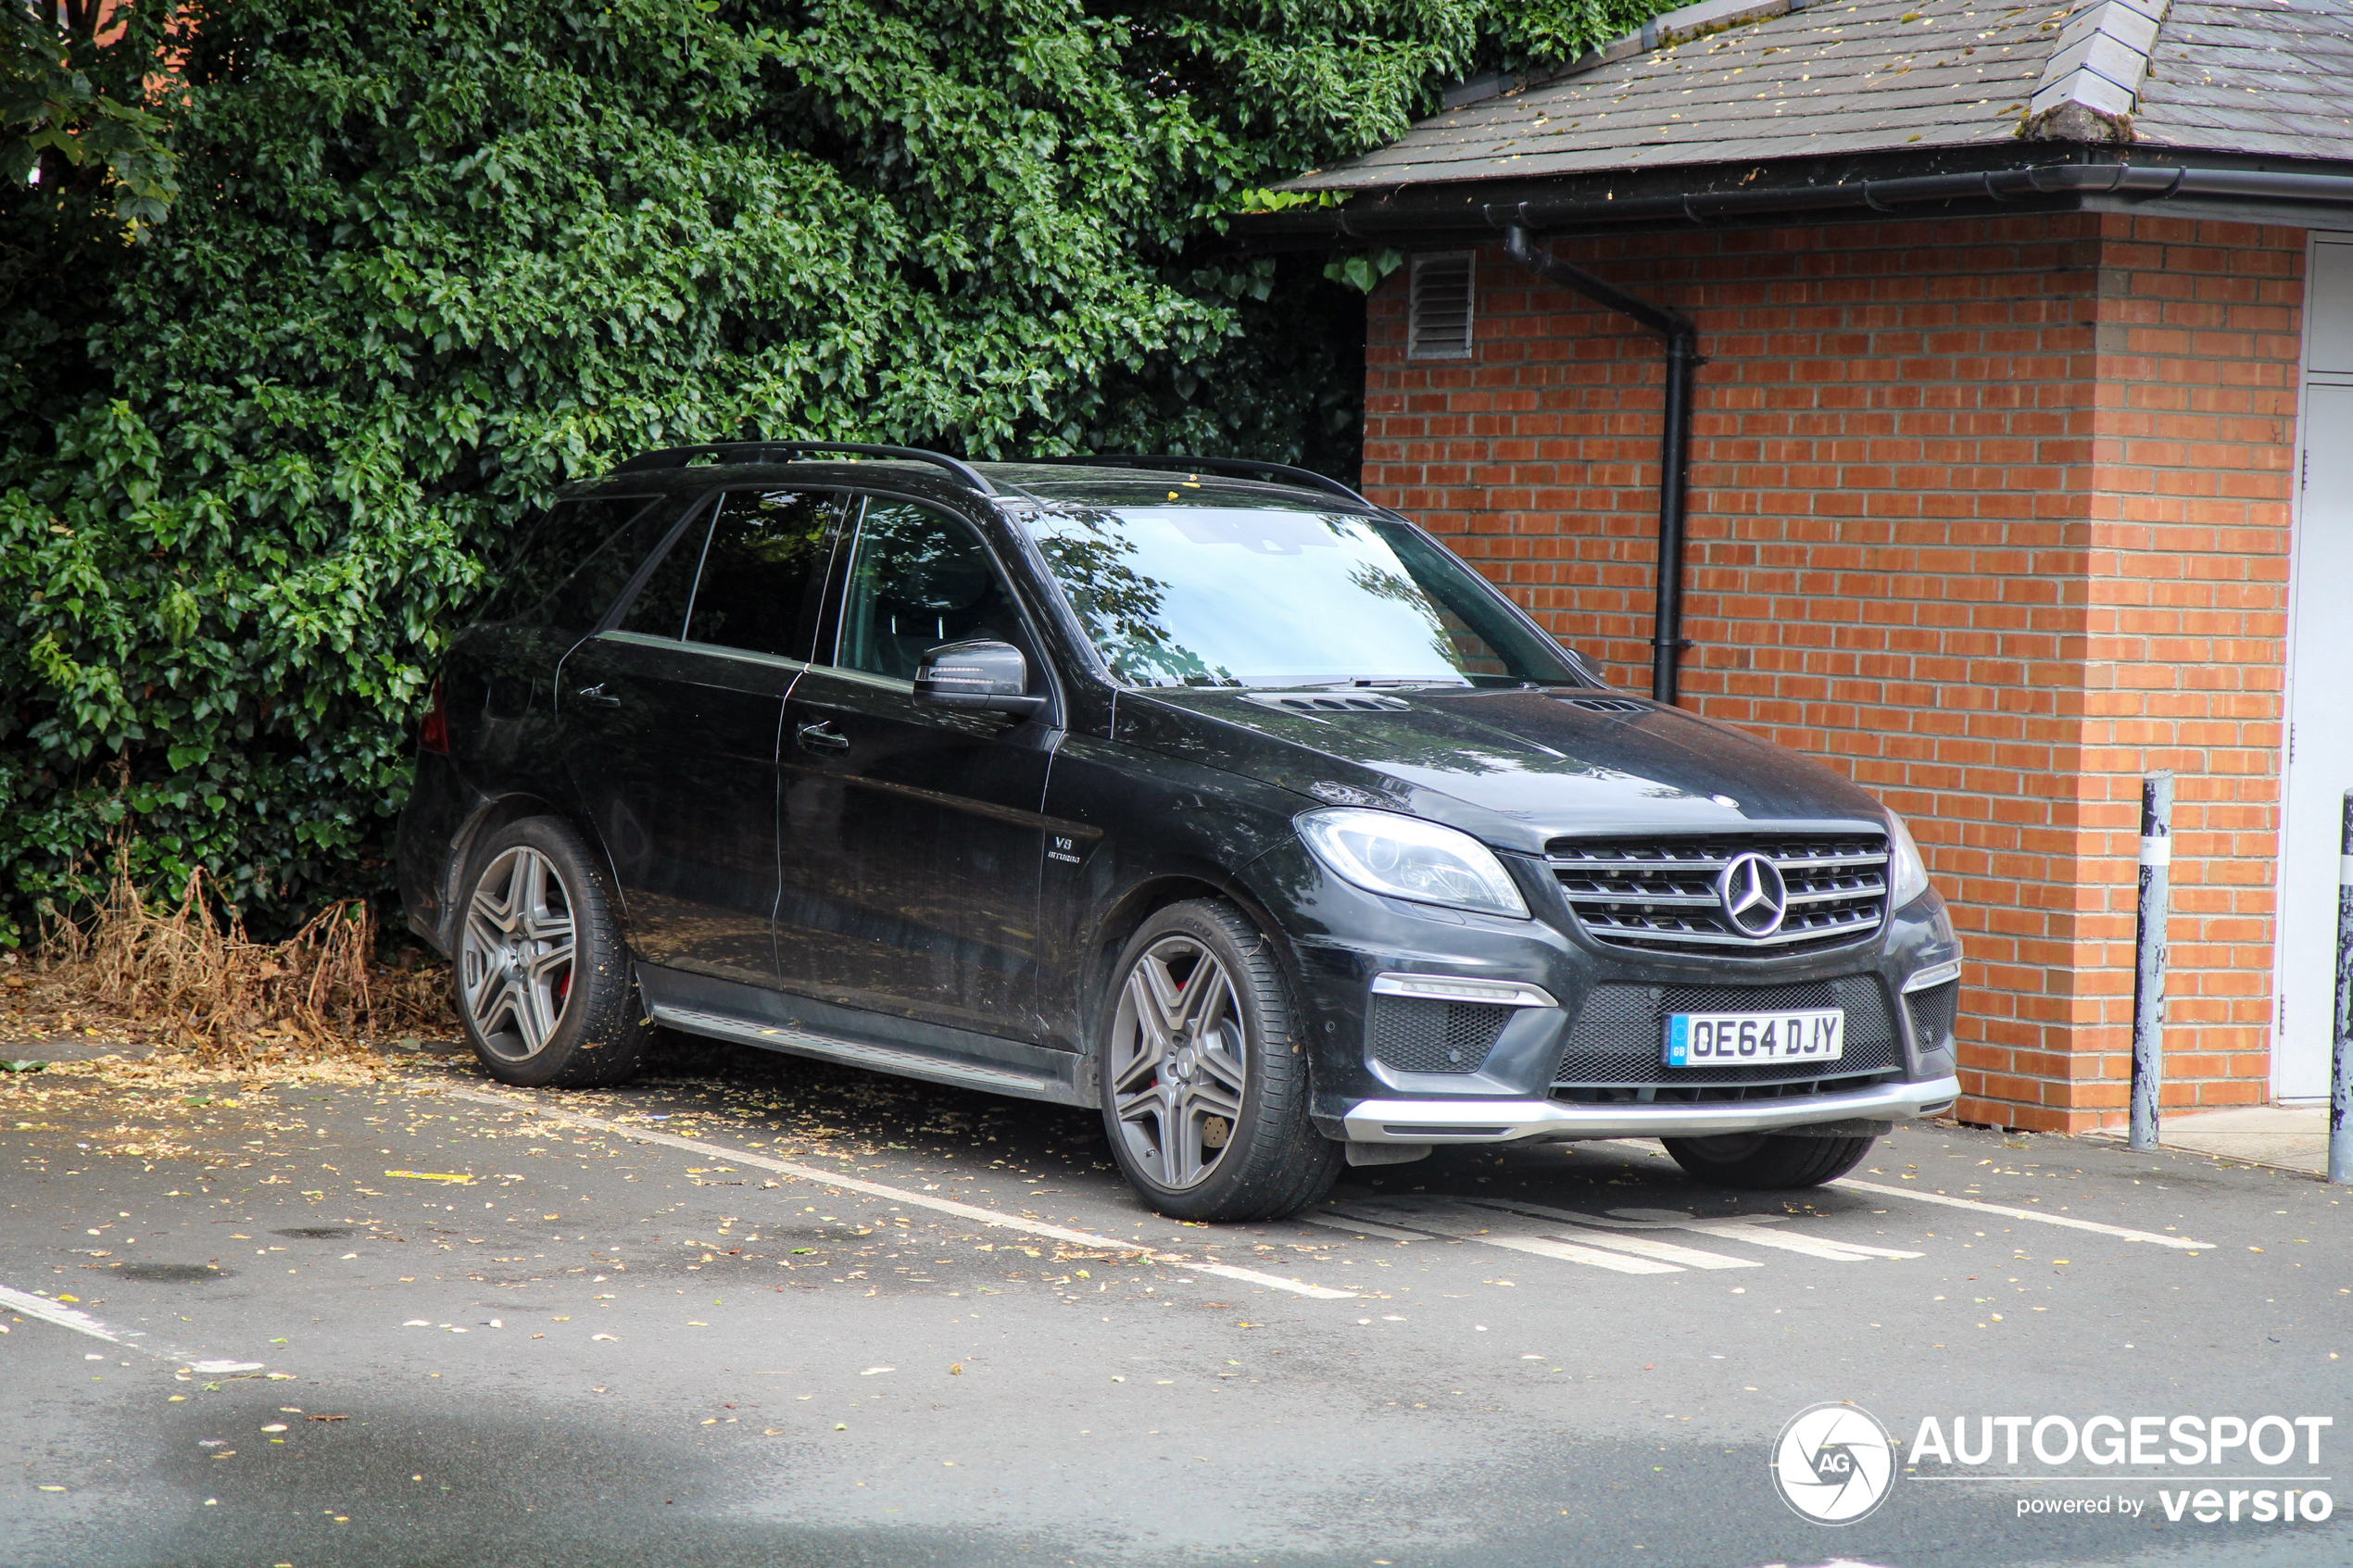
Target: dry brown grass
191, 979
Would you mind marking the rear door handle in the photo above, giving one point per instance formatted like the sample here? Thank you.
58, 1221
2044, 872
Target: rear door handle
597, 695
819, 736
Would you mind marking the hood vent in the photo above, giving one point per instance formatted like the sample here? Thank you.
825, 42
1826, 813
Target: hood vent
1320, 703
1607, 704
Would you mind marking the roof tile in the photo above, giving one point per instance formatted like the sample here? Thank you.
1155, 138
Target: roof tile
2261, 76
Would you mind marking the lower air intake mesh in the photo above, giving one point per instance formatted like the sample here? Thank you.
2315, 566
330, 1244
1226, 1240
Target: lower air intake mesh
1933, 1011
1621, 1033
1420, 1035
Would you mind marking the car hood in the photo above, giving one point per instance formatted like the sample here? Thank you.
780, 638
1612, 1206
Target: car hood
1515, 768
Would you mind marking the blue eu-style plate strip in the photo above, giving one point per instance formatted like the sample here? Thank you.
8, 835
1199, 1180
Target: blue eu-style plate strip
1679, 1039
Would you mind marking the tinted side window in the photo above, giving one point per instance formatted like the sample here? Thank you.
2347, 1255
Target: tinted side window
919, 578
660, 608
578, 551
763, 571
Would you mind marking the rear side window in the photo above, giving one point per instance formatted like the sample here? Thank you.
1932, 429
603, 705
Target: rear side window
573, 564
762, 574
660, 608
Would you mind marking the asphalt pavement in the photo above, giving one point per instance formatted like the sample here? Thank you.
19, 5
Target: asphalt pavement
754, 1309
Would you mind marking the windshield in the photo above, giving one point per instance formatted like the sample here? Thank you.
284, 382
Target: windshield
1205, 595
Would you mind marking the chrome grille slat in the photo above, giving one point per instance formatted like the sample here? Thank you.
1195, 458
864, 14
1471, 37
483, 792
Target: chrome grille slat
1706, 865
1660, 895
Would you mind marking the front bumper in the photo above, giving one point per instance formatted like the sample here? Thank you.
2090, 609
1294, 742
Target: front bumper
1505, 1120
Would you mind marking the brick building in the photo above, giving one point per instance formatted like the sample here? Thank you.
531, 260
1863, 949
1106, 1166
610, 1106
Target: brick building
2021, 462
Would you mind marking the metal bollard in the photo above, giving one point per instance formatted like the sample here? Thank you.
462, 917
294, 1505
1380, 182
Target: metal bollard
2341, 1074
2148, 953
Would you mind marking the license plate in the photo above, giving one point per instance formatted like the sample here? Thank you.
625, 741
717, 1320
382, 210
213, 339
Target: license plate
1721, 1039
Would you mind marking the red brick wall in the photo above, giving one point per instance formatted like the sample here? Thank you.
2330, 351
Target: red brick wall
1990, 514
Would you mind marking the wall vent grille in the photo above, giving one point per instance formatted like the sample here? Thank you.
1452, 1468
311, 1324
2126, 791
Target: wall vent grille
1438, 315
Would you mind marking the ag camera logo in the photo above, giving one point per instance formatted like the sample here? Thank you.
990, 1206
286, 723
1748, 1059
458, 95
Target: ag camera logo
1833, 1463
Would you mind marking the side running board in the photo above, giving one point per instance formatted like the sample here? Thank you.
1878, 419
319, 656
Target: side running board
800, 1040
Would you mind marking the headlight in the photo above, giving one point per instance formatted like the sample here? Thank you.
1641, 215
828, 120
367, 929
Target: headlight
1407, 858
1907, 873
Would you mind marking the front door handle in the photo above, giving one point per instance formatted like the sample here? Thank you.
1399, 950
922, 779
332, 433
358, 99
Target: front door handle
597, 695
820, 736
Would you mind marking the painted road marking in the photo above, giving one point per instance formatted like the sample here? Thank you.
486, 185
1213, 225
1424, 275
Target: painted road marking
1441, 1217
1646, 1145
1749, 1229
1596, 1240
1362, 1228
2070, 1221
1734, 1227
900, 1195
58, 1313
1664, 1251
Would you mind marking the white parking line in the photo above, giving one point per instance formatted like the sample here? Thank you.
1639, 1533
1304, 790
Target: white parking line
1664, 1251
58, 1313
1790, 1241
1362, 1228
2070, 1221
1733, 1227
1498, 1230
900, 1195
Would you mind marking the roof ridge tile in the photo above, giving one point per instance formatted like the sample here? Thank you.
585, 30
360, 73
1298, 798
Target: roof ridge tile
2093, 81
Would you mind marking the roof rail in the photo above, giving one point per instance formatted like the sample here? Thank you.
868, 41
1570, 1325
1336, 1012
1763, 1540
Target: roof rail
1228, 467
758, 452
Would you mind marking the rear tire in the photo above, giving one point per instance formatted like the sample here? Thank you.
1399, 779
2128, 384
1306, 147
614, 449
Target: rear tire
1765, 1162
543, 983
1205, 1072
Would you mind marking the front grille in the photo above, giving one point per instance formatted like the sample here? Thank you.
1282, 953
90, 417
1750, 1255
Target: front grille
1620, 1034
1660, 895
1933, 1011
1423, 1034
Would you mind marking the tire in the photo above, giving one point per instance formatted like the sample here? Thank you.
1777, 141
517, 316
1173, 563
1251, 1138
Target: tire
1763, 1162
1174, 1056
543, 983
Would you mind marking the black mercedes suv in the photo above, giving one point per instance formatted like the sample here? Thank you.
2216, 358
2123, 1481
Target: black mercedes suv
1207, 793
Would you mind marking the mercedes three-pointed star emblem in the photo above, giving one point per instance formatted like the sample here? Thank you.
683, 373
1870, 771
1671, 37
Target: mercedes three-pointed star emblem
1754, 898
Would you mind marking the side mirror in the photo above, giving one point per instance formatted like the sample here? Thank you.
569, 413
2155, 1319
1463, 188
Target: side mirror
979, 676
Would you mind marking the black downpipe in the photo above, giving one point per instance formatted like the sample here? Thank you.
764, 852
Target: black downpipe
1675, 441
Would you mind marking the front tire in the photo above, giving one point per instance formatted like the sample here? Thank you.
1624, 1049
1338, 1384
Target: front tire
543, 980
1205, 1072
1767, 1161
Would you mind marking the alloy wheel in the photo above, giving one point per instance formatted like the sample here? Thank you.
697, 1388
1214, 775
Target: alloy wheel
515, 964
1177, 1062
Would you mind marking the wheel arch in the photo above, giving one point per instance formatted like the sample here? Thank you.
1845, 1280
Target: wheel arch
498, 812
1126, 915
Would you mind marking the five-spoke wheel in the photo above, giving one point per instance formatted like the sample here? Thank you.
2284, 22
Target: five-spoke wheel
515, 964
1204, 1086
543, 979
1177, 1062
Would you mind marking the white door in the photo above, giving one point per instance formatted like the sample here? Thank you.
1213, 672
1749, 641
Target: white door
2320, 766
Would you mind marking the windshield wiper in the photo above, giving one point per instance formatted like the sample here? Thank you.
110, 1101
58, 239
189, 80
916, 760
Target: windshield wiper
1375, 680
